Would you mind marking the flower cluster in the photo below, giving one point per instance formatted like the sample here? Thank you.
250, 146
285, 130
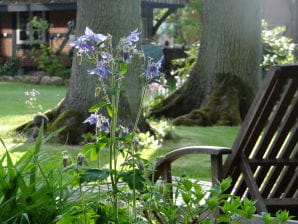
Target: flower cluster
109, 61
97, 46
110, 66
31, 99
152, 71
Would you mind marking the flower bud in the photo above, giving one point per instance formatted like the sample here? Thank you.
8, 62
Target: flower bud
80, 159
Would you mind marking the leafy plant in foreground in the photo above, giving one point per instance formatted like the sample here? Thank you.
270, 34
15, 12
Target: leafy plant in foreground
31, 189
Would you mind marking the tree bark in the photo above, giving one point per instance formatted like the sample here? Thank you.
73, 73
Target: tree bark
118, 18
230, 47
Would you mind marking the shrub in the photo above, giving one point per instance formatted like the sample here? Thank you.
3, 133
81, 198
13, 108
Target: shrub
11, 67
49, 62
277, 49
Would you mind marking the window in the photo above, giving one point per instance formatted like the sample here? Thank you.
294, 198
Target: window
26, 32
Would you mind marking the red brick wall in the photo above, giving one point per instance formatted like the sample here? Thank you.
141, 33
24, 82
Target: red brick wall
58, 29
5, 35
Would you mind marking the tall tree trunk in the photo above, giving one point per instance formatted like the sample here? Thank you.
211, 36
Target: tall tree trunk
228, 60
118, 18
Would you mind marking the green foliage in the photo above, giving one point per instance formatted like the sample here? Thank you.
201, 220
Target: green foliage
11, 67
185, 24
49, 62
277, 49
31, 189
39, 26
197, 205
184, 65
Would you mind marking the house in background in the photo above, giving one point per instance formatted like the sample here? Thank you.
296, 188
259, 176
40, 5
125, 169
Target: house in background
16, 33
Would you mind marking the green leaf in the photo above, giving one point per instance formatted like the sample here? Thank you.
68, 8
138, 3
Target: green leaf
91, 175
187, 184
186, 197
199, 192
97, 107
283, 216
22, 185
127, 138
94, 154
223, 219
248, 208
88, 148
110, 110
212, 203
266, 217
123, 68
225, 183
133, 179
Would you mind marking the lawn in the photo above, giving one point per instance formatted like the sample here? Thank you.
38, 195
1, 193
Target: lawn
14, 112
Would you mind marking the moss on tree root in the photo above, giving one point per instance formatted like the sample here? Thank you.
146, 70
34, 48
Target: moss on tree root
227, 104
72, 123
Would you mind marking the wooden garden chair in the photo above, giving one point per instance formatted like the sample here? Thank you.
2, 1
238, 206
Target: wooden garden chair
263, 160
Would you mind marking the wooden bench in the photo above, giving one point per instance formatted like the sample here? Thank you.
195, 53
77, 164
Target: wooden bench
263, 160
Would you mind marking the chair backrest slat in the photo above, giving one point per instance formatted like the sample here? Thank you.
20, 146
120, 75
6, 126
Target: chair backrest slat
268, 139
253, 116
275, 137
291, 142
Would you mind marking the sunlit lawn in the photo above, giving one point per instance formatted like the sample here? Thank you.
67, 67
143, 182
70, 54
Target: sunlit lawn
14, 112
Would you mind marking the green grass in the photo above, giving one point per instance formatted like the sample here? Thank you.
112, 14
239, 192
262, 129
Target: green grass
14, 112
195, 166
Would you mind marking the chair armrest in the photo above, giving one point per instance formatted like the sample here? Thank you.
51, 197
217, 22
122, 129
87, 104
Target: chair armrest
164, 165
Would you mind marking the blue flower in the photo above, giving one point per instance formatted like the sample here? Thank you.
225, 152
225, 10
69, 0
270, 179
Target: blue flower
126, 56
101, 69
122, 131
133, 37
152, 71
92, 119
106, 56
102, 123
82, 45
93, 37
88, 42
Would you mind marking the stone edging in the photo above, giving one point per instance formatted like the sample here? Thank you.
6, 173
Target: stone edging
39, 80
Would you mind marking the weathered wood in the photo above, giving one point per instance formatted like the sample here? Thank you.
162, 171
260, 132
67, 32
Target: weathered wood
176, 154
263, 162
252, 185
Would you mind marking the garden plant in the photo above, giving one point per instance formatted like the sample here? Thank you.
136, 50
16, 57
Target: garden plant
33, 192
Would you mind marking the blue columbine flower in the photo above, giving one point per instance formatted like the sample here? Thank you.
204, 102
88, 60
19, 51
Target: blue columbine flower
102, 123
126, 56
88, 42
106, 56
93, 37
92, 119
82, 45
152, 71
101, 69
133, 37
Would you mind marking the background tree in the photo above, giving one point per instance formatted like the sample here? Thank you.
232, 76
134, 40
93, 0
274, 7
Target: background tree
226, 73
118, 18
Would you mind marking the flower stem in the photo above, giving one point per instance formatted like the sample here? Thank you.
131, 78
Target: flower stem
113, 149
133, 154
